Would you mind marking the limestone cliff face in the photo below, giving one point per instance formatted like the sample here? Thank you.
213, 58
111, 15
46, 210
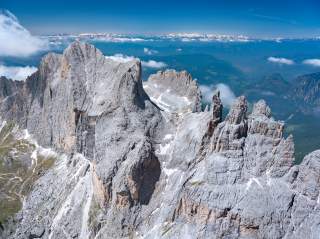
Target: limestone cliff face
174, 91
153, 165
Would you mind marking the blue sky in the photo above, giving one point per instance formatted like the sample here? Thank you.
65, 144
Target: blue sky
273, 18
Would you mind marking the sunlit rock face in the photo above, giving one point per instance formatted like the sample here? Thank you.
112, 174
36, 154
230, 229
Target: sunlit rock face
174, 91
141, 160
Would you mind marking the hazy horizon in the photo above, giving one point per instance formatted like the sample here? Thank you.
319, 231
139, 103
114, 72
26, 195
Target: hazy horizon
298, 19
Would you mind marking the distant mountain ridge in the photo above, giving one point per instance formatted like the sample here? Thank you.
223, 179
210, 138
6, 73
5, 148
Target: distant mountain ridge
307, 89
303, 92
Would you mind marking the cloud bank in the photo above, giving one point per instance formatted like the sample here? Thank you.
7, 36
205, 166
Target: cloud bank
226, 94
149, 64
17, 72
15, 40
280, 60
312, 62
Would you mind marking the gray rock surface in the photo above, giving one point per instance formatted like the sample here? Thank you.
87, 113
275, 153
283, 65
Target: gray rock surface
153, 165
174, 91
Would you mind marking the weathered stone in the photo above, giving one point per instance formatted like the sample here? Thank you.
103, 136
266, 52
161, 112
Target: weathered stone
36, 232
216, 108
159, 168
174, 91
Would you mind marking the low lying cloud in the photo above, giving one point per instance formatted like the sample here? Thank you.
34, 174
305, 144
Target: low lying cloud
312, 62
281, 60
17, 72
15, 40
226, 94
121, 58
150, 64
153, 64
149, 51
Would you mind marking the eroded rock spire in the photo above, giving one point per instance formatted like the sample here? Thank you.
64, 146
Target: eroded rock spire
217, 108
238, 111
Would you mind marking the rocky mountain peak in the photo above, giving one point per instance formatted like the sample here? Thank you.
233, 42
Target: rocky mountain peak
81, 84
261, 108
174, 91
216, 107
8, 87
141, 160
238, 111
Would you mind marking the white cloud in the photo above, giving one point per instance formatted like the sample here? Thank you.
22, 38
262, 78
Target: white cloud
153, 64
15, 39
312, 62
149, 51
121, 58
226, 94
280, 60
17, 72
150, 64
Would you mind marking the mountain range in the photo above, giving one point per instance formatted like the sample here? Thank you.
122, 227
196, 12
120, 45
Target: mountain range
89, 150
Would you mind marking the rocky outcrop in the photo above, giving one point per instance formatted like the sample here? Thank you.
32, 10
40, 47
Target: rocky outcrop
174, 91
67, 101
153, 165
216, 108
231, 133
8, 87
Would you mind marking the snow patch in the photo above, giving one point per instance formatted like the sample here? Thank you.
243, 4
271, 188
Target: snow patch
168, 136
169, 171
3, 123
164, 149
252, 180
80, 197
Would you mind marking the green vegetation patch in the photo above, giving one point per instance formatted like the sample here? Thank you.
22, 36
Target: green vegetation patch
18, 171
